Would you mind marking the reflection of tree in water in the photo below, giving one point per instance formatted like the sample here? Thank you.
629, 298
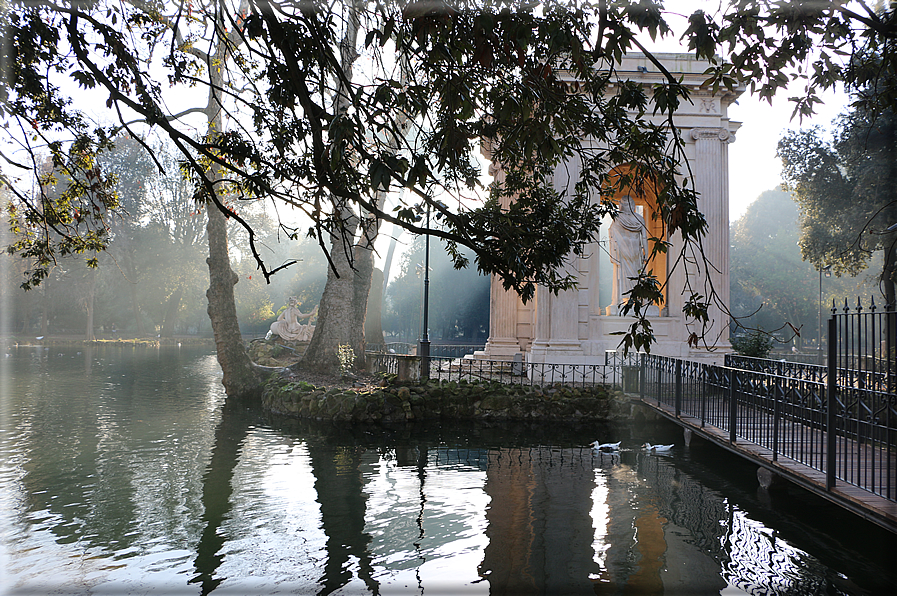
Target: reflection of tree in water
77, 470
216, 492
340, 487
104, 459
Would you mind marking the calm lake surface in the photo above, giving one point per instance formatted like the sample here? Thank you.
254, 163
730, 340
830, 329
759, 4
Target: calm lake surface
124, 471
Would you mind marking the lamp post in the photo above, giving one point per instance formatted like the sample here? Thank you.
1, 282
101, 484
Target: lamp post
424, 344
828, 273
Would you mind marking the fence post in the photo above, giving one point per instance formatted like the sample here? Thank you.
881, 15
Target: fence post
642, 372
776, 417
830, 403
733, 406
678, 387
706, 370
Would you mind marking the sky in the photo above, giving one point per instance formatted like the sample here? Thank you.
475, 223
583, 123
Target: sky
753, 166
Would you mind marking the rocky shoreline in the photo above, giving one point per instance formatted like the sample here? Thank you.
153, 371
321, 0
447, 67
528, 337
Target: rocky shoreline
394, 401
384, 399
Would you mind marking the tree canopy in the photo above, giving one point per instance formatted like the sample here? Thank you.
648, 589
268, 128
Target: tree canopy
766, 264
847, 192
327, 123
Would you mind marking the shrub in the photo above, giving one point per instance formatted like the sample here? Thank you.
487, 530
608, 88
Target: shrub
757, 344
346, 359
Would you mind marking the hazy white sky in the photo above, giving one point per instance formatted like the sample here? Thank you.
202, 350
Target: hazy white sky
753, 166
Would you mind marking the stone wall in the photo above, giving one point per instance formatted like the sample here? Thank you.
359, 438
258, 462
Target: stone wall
399, 402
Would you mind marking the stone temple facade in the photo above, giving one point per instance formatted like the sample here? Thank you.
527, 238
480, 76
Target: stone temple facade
577, 326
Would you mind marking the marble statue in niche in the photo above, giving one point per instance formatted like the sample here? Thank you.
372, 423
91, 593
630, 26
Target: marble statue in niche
628, 247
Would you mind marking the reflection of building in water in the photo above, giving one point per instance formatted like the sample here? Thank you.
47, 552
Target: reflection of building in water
557, 521
419, 508
538, 519
630, 542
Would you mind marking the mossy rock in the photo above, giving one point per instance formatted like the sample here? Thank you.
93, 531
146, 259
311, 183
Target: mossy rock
495, 402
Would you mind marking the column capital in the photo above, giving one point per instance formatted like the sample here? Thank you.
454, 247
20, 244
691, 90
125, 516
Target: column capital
706, 134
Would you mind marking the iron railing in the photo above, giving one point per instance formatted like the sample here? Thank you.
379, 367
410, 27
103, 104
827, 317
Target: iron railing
617, 370
863, 360
782, 368
840, 419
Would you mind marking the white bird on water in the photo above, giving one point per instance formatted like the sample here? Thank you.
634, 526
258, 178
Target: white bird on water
606, 446
657, 448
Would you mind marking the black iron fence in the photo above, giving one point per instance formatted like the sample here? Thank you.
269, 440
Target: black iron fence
840, 419
617, 370
863, 373
782, 368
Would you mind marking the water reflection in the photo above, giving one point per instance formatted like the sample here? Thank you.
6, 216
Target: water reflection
339, 483
100, 467
134, 474
538, 519
217, 489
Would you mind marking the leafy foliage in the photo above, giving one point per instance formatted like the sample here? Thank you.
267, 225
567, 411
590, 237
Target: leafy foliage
847, 192
757, 344
529, 82
346, 357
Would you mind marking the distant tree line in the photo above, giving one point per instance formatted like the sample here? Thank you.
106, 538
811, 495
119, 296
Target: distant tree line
771, 287
152, 277
458, 299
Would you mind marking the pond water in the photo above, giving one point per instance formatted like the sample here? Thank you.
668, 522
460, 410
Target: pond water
125, 471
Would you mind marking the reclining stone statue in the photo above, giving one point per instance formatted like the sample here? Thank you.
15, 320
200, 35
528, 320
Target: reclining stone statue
287, 325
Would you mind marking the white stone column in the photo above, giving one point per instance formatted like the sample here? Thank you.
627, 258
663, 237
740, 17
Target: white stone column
711, 173
565, 312
503, 342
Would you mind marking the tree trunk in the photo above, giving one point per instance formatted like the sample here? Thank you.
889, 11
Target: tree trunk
135, 306
241, 378
889, 271
344, 301
341, 312
125, 235
45, 308
373, 321
91, 292
171, 313
341, 315
390, 252
26, 316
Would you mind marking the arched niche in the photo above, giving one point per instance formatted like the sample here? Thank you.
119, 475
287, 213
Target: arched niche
623, 180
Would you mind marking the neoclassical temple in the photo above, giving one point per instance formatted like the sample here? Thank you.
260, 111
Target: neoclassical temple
578, 326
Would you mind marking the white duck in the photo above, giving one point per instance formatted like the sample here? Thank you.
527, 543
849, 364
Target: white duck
657, 448
606, 446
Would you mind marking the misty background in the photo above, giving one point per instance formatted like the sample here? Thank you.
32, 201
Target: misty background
153, 278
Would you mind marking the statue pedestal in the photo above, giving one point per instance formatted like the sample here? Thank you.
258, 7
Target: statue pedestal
614, 310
